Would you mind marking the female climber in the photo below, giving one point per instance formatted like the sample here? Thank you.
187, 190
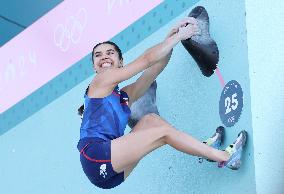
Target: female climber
106, 154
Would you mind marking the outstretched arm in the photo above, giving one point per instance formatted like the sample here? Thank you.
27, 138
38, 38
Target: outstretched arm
138, 88
151, 56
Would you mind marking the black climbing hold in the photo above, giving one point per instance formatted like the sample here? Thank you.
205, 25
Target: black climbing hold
202, 47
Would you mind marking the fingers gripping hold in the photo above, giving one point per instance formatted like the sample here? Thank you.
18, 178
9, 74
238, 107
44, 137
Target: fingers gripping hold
185, 28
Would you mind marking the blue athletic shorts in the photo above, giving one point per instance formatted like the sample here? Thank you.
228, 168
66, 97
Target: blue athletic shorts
95, 157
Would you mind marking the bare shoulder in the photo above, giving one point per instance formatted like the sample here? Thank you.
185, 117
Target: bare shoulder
98, 89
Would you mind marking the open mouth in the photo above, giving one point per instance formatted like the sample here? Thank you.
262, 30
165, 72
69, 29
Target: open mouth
106, 65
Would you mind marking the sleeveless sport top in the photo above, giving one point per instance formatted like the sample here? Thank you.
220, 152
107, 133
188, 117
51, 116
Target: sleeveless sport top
107, 117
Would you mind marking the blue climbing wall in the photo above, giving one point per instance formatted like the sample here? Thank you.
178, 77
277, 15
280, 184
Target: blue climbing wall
40, 155
267, 92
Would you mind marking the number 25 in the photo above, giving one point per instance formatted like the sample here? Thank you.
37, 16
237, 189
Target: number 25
231, 104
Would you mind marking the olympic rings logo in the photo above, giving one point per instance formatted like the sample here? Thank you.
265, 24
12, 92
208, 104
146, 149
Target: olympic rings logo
72, 31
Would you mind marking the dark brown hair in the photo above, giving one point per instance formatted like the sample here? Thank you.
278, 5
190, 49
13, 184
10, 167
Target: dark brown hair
111, 43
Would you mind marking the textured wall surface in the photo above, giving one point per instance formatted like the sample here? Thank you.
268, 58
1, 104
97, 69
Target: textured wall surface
40, 155
265, 27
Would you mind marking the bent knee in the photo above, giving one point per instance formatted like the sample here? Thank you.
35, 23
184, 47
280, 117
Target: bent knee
154, 120
152, 117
